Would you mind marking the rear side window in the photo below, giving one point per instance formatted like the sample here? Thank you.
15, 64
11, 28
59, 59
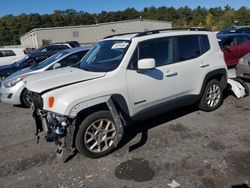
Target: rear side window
188, 47
59, 47
6, 53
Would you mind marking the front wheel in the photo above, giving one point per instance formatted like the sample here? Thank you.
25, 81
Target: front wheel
96, 135
212, 96
24, 99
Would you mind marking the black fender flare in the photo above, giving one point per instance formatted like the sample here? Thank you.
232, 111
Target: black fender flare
219, 74
118, 107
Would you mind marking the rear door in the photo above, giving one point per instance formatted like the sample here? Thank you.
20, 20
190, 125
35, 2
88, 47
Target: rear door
193, 62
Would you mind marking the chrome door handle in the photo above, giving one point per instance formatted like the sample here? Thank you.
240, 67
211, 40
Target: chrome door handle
203, 65
170, 73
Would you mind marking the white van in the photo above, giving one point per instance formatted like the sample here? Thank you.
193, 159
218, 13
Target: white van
10, 55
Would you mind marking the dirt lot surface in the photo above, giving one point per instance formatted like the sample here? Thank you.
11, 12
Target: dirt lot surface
194, 148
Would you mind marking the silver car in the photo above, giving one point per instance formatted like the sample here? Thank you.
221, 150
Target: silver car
12, 89
243, 67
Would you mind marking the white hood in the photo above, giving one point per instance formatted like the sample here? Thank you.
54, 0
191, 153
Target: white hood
59, 78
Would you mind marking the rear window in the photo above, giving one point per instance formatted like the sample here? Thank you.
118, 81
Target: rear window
188, 47
6, 53
59, 47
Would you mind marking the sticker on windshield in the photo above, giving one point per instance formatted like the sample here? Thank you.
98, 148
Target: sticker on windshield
120, 45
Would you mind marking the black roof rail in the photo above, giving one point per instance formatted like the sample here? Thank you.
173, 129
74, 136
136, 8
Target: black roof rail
117, 35
150, 32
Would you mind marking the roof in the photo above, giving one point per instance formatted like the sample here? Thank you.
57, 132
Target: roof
70, 50
129, 36
93, 25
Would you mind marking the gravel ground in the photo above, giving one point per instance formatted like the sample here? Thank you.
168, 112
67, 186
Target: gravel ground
192, 147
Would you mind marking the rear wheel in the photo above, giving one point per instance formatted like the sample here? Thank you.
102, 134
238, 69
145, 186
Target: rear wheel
96, 135
24, 99
212, 96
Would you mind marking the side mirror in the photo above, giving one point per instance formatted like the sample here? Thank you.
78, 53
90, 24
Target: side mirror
146, 64
56, 66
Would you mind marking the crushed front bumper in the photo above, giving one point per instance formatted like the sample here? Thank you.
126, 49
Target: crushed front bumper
57, 128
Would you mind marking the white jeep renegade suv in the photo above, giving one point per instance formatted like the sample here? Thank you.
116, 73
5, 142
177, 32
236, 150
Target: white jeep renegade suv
123, 78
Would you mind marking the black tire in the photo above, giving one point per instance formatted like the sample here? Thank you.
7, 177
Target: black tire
23, 98
86, 125
207, 105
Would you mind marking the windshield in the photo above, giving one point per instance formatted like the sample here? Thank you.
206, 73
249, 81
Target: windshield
105, 56
50, 60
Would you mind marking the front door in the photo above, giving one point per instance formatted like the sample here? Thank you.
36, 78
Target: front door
153, 87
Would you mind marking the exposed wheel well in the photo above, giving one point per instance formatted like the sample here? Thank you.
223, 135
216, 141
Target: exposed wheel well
219, 75
119, 103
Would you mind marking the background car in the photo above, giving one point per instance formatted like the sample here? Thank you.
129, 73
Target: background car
57, 47
237, 29
234, 46
243, 67
10, 55
27, 61
71, 44
12, 89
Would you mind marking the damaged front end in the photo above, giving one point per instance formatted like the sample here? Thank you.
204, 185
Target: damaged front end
57, 128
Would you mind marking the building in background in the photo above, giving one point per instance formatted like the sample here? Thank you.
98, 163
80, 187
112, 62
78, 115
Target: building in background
87, 34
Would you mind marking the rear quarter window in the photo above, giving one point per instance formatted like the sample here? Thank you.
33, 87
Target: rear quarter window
205, 45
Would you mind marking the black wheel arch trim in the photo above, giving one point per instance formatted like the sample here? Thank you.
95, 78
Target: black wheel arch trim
221, 73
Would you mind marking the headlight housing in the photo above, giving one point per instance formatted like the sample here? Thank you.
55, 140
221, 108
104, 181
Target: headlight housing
243, 62
13, 82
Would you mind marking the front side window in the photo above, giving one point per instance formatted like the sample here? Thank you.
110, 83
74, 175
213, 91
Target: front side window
50, 60
105, 56
159, 49
40, 58
240, 40
71, 59
188, 47
227, 43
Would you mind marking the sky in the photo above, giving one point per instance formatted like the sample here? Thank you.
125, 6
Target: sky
17, 7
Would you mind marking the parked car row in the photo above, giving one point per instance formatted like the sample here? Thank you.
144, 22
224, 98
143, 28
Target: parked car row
11, 55
235, 43
84, 96
123, 79
13, 90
